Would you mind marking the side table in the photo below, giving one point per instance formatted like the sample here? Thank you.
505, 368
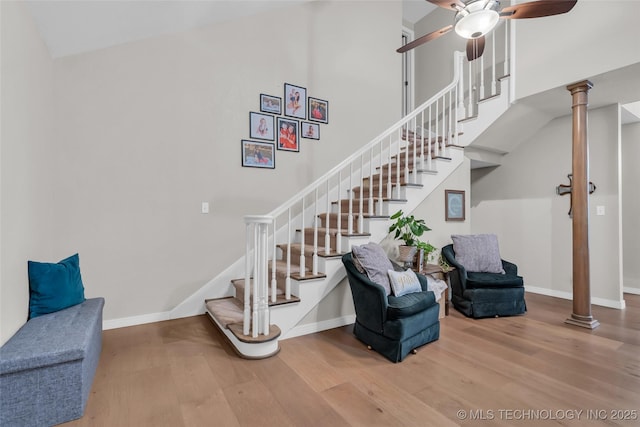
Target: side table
437, 272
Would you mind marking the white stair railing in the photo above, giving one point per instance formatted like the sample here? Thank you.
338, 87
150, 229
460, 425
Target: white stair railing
424, 134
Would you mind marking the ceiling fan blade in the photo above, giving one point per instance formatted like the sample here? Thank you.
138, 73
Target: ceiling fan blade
448, 4
475, 48
537, 9
426, 38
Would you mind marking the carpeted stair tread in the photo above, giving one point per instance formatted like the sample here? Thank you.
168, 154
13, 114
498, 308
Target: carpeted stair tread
308, 249
225, 310
280, 294
333, 232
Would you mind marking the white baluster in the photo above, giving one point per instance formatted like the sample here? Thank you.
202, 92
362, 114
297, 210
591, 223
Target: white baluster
407, 150
302, 263
389, 161
436, 136
494, 90
274, 282
505, 72
400, 173
350, 198
422, 132
287, 280
380, 180
460, 66
327, 236
450, 135
430, 147
264, 309
315, 234
445, 135
339, 217
361, 201
256, 279
370, 197
481, 94
247, 280
470, 108
456, 120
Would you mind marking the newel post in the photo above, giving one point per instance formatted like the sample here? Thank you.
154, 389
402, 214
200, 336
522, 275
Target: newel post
581, 315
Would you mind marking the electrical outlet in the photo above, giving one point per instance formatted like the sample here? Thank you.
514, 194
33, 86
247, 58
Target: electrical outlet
599, 210
205, 207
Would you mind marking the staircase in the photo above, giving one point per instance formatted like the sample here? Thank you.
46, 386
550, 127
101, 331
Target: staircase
293, 254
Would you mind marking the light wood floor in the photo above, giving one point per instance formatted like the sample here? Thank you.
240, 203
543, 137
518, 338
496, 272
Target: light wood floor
480, 373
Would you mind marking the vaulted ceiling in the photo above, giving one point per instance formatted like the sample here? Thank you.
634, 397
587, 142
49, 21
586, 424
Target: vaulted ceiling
77, 26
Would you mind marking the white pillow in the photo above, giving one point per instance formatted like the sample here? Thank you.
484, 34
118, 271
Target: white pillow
478, 253
404, 282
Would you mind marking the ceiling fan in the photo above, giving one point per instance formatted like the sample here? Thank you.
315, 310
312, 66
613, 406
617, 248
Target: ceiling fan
475, 18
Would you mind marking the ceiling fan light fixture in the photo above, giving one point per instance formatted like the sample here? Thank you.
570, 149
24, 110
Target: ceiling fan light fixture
477, 18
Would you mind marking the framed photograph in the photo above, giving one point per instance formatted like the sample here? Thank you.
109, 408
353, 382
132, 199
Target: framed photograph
261, 126
288, 135
295, 98
270, 104
310, 130
454, 205
258, 154
318, 110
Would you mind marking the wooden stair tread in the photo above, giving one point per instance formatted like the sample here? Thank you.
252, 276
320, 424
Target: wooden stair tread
236, 329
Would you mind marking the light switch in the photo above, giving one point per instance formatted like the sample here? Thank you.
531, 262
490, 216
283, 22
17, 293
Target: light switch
205, 207
599, 210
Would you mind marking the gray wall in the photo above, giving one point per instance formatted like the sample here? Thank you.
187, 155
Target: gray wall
27, 146
593, 38
517, 201
631, 207
146, 131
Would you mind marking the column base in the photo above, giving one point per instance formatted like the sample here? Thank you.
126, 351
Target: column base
583, 321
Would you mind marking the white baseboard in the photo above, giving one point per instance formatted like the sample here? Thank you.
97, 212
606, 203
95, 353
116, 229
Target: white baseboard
629, 290
311, 328
123, 322
620, 305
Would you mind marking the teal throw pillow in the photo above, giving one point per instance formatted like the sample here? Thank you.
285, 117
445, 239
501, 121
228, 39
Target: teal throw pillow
53, 287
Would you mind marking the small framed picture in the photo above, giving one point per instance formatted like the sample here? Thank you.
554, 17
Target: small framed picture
270, 104
258, 154
295, 99
318, 110
288, 135
310, 130
454, 205
261, 126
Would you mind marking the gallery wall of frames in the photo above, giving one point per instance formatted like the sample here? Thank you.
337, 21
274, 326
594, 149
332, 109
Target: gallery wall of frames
280, 125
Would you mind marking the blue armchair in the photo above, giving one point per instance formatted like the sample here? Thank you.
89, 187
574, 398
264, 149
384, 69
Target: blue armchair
393, 326
480, 295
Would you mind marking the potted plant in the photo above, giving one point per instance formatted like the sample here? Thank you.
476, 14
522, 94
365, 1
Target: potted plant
408, 229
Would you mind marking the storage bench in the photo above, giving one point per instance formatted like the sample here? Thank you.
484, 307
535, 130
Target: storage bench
47, 367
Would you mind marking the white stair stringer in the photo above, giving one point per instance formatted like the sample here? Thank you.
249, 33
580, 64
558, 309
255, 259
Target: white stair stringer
489, 111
